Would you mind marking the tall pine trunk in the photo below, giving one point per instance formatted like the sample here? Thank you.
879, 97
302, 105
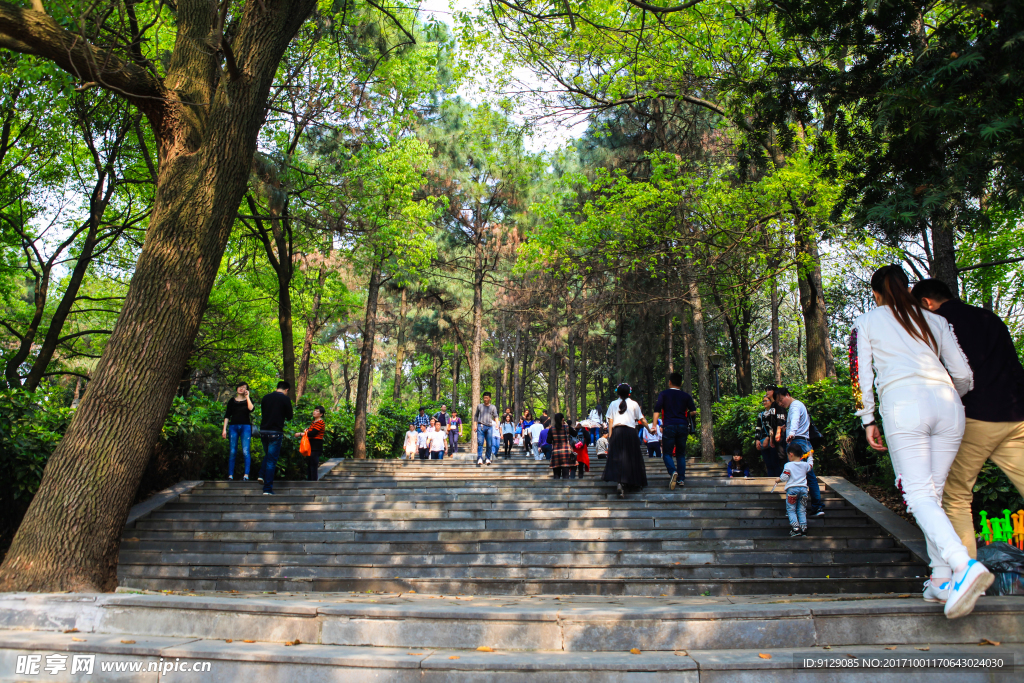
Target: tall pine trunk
943, 265
776, 348
476, 348
570, 384
687, 363
403, 311
456, 370
312, 328
366, 362
707, 437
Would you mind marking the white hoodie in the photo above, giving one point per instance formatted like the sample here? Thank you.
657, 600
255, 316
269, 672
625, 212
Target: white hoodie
888, 354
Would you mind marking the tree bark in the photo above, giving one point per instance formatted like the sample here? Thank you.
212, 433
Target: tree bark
583, 376
552, 380
820, 363
366, 362
687, 362
707, 436
570, 385
403, 311
456, 370
435, 369
312, 328
776, 347
944, 252
668, 345
476, 348
70, 536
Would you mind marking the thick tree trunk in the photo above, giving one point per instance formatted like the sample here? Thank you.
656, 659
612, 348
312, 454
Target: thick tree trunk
403, 311
366, 363
284, 323
583, 376
944, 252
668, 346
435, 370
70, 536
12, 370
820, 363
552, 381
508, 392
707, 437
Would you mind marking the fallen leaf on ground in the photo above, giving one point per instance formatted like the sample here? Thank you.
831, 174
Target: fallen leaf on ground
903, 595
986, 641
416, 653
681, 654
764, 655
128, 642
293, 642
248, 641
891, 648
78, 640
229, 640
664, 595
634, 651
484, 648
454, 657
924, 649
827, 647
412, 591
71, 630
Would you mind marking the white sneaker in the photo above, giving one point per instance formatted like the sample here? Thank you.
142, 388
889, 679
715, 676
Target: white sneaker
973, 582
672, 482
936, 594
230, 477
245, 477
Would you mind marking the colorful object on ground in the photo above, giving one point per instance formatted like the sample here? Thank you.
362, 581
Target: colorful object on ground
858, 397
1006, 529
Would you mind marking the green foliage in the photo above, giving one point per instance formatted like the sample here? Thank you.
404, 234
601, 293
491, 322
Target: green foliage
994, 492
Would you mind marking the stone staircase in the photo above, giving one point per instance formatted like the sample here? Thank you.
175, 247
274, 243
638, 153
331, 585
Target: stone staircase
450, 527
442, 572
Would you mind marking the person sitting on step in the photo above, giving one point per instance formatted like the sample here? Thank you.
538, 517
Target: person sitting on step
737, 466
794, 474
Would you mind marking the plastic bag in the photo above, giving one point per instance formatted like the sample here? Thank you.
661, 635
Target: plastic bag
1007, 563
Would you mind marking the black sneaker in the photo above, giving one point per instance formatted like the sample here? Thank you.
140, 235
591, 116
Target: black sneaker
803, 531
795, 531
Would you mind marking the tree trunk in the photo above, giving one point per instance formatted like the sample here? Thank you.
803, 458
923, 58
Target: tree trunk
583, 377
478, 325
570, 385
284, 323
707, 437
668, 346
312, 328
776, 348
507, 392
687, 363
366, 362
820, 363
456, 370
70, 536
403, 311
518, 374
944, 252
552, 381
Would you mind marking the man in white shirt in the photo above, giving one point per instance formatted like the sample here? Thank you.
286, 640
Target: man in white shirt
535, 429
798, 431
437, 439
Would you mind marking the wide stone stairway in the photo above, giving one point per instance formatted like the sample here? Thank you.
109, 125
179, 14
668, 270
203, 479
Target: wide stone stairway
442, 572
451, 527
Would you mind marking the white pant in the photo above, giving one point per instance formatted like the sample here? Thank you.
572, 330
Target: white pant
923, 427
537, 455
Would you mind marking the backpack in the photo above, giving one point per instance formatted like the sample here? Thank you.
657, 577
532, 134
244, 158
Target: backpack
814, 434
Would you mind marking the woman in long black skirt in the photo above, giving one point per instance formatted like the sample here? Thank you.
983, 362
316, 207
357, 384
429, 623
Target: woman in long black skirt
625, 464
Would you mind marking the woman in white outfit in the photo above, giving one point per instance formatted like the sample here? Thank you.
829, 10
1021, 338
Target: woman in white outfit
920, 373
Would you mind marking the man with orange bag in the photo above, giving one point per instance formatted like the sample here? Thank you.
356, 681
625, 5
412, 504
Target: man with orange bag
315, 434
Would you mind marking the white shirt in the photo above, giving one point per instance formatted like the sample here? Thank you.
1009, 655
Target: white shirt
630, 418
652, 434
887, 354
437, 440
535, 429
411, 442
795, 473
798, 422
421, 439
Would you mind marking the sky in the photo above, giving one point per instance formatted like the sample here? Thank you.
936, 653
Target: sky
549, 134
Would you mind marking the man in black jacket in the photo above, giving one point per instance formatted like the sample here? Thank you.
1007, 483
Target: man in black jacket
275, 410
994, 406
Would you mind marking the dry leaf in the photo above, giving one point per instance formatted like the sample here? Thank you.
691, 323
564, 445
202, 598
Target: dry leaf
681, 654
484, 648
416, 653
248, 641
664, 595
891, 648
924, 649
71, 630
827, 647
634, 651
293, 642
412, 591
454, 657
229, 641
764, 655
128, 642
986, 641
78, 640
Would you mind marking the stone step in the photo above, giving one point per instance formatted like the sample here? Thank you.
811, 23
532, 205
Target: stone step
714, 586
810, 543
393, 558
580, 624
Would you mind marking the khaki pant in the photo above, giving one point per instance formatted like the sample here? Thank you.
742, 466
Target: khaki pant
1000, 442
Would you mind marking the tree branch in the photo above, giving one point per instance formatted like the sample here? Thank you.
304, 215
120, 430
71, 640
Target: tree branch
990, 263
36, 33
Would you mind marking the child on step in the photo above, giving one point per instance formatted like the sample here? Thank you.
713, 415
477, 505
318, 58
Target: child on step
737, 466
794, 474
582, 459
